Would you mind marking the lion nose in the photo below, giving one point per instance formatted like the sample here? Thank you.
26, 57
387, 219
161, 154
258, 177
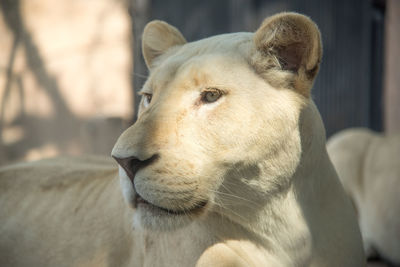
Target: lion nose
132, 164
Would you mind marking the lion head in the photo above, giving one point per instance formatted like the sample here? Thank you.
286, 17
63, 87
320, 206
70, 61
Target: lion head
218, 129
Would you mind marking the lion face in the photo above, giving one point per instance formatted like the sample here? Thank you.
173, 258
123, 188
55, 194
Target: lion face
215, 133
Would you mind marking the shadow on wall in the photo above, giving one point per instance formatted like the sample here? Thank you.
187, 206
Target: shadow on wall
36, 118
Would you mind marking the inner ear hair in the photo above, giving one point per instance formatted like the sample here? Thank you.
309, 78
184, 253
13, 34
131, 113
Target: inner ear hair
289, 42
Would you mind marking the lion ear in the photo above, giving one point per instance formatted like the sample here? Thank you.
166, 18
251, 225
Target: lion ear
294, 40
158, 37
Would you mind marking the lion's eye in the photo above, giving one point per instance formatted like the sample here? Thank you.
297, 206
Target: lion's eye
211, 96
146, 99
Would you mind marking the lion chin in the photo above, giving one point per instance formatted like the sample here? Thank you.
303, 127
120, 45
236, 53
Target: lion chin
151, 217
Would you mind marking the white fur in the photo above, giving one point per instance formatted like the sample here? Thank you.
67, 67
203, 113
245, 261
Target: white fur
249, 173
368, 166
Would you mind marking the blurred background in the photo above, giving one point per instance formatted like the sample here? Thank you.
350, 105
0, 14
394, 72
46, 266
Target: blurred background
69, 69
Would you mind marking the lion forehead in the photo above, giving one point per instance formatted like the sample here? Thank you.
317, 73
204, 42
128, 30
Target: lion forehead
192, 58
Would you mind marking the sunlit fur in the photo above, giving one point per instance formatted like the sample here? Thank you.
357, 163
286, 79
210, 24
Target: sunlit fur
368, 166
256, 157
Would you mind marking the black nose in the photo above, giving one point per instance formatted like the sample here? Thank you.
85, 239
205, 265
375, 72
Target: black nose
132, 164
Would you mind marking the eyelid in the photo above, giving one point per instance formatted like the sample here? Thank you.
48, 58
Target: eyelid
213, 89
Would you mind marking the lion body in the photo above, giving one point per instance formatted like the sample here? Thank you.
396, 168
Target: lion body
225, 166
53, 210
368, 166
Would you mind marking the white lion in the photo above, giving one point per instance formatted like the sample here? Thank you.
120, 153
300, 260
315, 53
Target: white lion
368, 165
225, 166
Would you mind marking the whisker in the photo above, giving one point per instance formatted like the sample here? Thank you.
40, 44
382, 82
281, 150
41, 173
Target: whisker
140, 75
230, 210
234, 196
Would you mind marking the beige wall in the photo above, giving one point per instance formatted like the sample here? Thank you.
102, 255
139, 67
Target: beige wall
392, 67
65, 84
